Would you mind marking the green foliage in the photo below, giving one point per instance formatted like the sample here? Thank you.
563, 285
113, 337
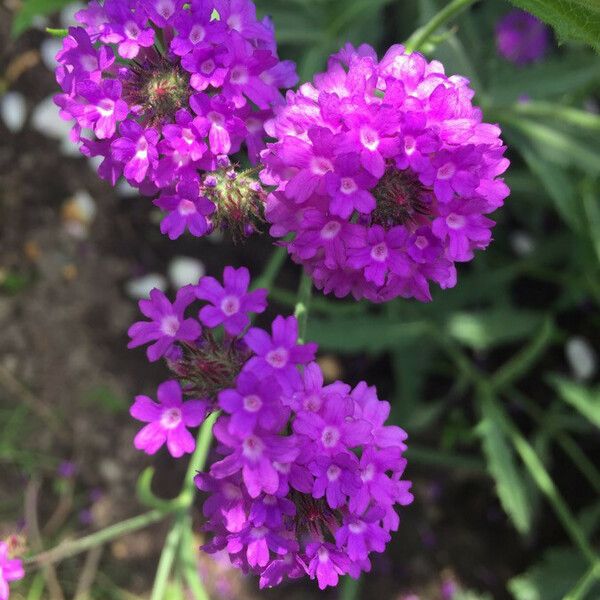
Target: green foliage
583, 399
30, 9
510, 481
551, 579
573, 19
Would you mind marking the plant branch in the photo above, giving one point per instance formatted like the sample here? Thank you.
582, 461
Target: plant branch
420, 37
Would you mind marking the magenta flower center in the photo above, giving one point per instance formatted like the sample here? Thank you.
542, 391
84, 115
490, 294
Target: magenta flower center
170, 325
106, 107
132, 30
312, 403
89, 63
252, 447
348, 185
409, 144
446, 171
333, 473
186, 207
368, 473
330, 230
357, 527
323, 554
330, 436
235, 22
320, 165
208, 66
231, 492
277, 358
216, 118
230, 305
258, 533
455, 221
171, 417
369, 138
252, 403
380, 252
421, 242
197, 34
165, 8
239, 75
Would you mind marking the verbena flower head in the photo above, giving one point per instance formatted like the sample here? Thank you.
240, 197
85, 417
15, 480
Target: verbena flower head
165, 91
11, 569
307, 477
384, 175
521, 38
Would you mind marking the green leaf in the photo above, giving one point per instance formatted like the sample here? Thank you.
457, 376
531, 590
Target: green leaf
552, 577
511, 485
553, 78
30, 9
585, 400
572, 19
367, 334
487, 329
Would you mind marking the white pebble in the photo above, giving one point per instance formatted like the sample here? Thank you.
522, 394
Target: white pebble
46, 120
48, 50
522, 243
13, 110
67, 14
185, 270
140, 287
581, 358
126, 190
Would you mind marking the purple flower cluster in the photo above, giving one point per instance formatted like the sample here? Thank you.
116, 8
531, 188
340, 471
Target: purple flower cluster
521, 38
190, 83
384, 175
308, 475
11, 569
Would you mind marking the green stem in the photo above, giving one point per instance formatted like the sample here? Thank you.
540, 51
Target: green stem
541, 477
69, 549
167, 557
418, 39
185, 500
350, 588
303, 305
272, 269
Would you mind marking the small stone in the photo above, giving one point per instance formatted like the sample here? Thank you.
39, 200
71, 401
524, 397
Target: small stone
581, 358
13, 110
140, 287
49, 49
184, 270
46, 120
522, 243
78, 213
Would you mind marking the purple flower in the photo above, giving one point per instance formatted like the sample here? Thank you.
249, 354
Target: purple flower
231, 302
326, 563
375, 152
363, 535
105, 106
11, 569
167, 323
521, 38
168, 420
254, 403
126, 28
136, 148
254, 454
143, 104
187, 209
335, 430
336, 477
279, 353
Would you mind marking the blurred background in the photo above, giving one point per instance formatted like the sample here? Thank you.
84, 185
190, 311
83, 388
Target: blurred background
495, 381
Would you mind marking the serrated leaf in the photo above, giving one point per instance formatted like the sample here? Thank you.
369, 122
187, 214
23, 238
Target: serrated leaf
572, 19
511, 486
552, 577
487, 329
585, 400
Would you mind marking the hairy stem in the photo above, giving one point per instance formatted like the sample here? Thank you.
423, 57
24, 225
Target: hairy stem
303, 305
